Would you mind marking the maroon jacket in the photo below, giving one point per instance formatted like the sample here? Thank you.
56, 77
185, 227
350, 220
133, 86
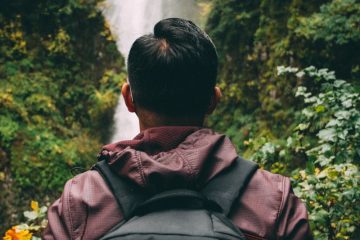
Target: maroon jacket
168, 157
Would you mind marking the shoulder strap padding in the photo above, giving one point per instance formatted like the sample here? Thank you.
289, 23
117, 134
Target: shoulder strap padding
128, 194
230, 184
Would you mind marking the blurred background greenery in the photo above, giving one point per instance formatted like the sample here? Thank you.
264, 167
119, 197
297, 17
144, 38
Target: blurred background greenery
289, 71
60, 77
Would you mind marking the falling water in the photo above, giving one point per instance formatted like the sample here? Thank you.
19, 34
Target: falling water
130, 19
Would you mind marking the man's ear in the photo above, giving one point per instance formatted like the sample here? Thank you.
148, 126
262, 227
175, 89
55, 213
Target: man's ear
126, 92
214, 100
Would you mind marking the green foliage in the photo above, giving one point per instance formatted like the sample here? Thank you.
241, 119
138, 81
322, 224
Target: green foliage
332, 197
335, 23
334, 116
60, 77
330, 185
305, 123
254, 37
327, 139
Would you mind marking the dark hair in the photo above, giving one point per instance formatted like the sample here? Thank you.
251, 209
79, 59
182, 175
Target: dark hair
173, 71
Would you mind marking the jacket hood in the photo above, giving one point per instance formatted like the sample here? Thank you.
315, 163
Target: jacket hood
170, 157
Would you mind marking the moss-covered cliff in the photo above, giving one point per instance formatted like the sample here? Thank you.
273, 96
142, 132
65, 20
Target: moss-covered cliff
59, 81
254, 37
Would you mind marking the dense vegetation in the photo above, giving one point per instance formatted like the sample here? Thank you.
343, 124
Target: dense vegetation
59, 72
284, 109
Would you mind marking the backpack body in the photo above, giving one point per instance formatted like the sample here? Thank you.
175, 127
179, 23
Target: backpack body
178, 213
175, 224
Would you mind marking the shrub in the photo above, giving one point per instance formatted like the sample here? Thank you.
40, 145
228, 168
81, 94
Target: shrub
327, 137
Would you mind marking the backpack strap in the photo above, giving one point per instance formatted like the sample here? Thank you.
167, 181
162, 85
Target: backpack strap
127, 194
230, 184
222, 190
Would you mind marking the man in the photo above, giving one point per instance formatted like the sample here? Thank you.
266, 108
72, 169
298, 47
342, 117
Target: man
171, 88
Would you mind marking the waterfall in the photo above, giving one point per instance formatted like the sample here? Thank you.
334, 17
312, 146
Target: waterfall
130, 19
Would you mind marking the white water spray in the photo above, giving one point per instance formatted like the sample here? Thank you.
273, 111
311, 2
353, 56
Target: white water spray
130, 19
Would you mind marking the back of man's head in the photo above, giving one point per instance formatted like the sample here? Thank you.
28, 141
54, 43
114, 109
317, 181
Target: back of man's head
173, 71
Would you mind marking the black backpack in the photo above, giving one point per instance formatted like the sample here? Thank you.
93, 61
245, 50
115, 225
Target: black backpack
179, 213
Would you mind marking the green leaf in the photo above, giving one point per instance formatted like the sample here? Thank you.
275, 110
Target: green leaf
348, 103
338, 83
320, 108
303, 126
342, 115
332, 123
43, 209
320, 216
31, 215
328, 134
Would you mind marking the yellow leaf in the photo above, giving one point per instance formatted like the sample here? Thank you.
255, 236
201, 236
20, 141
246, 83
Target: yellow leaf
35, 206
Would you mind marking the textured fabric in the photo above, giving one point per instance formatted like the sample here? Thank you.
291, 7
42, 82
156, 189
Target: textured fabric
168, 157
159, 158
85, 210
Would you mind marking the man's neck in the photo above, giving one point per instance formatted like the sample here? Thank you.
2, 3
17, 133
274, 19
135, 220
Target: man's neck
150, 120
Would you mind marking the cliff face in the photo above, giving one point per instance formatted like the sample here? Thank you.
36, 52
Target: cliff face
60, 73
254, 37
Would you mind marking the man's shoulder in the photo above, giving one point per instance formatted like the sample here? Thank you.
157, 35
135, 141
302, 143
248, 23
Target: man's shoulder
266, 193
87, 177
269, 182
260, 205
88, 188
86, 209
